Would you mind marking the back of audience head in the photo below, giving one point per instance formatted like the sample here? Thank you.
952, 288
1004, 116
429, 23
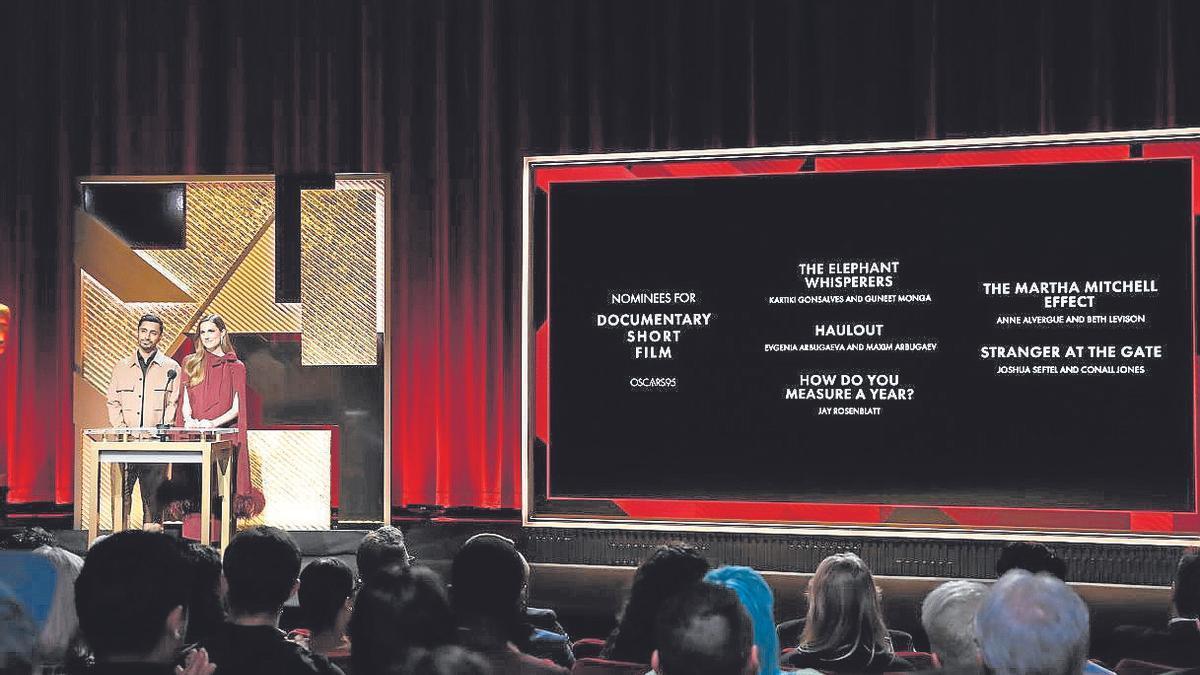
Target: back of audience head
445, 660
326, 594
27, 539
488, 578
56, 639
755, 595
667, 571
1032, 623
132, 595
380, 548
704, 630
206, 609
18, 635
948, 616
1032, 557
1185, 590
396, 611
262, 566
844, 611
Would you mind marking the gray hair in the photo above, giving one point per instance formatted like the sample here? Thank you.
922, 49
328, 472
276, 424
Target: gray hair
948, 616
62, 623
1032, 624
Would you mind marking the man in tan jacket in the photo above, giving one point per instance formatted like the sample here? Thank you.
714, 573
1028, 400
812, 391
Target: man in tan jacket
143, 392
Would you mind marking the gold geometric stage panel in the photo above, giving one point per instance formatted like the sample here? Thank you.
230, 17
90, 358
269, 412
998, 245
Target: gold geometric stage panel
291, 468
227, 266
338, 280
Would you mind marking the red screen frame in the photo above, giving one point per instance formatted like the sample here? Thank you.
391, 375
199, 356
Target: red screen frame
645, 166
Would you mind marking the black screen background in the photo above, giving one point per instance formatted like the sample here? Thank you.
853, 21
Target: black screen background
971, 437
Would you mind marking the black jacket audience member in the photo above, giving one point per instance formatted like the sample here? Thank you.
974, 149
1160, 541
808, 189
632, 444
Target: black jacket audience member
844, 630
132, 600
399, 610
488, 583
1032, 623
1178, 644
1031, 557
261, 566
380, 548
206, 604
326, 600
669, 569
704, 630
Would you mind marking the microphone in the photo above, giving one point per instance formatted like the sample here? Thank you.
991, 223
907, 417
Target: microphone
166, 390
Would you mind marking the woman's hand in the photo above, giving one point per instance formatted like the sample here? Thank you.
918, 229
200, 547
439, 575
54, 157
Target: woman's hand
196, 664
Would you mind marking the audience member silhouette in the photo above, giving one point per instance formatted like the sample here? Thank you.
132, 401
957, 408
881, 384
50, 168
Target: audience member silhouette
18, 635
1031, 557
1032, 623
206, 605
844, 629
667, 571
380, 548
1177, 644
326, 600
447, 660
261, 567
399, 609
489, 578
704, 630
132, 602
948, 616
755, 595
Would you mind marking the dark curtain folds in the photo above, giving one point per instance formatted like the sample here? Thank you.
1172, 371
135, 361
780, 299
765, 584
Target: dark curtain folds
447, 97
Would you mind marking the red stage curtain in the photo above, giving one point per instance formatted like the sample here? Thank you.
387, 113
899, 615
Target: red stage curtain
447, 97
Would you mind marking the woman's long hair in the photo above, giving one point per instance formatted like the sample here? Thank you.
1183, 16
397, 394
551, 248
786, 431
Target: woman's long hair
193, 364
759, 602
844, 612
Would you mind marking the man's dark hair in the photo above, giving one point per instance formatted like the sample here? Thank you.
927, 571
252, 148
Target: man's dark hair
1031, 557
152, 318
703, 630
206, 607
669, 569
488, 578
380, 548
26, 539
261, 566
396, 611
1186, 591
324, 586
130, 582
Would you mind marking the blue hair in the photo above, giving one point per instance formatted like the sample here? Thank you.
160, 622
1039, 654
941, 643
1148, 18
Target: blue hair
756, 597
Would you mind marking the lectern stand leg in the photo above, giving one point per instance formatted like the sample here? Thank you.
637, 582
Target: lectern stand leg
228, 517
206, 499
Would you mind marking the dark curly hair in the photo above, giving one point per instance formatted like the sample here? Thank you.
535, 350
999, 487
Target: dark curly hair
670, 569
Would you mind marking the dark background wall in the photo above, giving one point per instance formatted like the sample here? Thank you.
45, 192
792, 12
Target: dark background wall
447, 97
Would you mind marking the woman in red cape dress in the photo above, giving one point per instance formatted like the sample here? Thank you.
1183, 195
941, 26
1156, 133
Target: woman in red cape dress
214, 388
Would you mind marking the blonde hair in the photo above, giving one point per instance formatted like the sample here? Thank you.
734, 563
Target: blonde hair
193, 364
844, 612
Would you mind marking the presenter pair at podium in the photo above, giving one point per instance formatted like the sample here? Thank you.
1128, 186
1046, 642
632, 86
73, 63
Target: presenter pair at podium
208, 391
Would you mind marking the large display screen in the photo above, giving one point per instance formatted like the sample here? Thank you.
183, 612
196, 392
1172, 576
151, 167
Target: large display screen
1013, 336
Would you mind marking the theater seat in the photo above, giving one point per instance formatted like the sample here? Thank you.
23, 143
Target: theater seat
1136, 667
588, 648
605, 667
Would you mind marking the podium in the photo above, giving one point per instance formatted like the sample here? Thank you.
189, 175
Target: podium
212, 449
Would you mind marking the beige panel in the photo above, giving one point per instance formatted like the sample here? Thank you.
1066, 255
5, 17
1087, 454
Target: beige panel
292, 469
338, 284
247, 299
